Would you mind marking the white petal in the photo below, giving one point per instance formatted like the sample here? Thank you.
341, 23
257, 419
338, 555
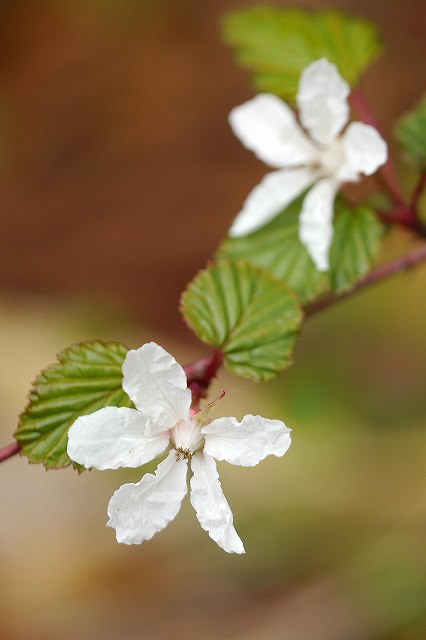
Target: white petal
316, 222
212, 509
267, 126
139, 511
113, 437
157, 385
247, 442
365, 151
322, 100
269, 198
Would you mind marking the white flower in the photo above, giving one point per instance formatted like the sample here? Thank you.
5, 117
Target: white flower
267, 126
120, 437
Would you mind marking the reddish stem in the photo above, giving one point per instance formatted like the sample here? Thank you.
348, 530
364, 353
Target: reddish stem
405, 217
9, 451
385, 270
200, 373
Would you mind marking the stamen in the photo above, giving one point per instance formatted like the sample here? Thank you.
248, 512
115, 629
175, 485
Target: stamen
183, 453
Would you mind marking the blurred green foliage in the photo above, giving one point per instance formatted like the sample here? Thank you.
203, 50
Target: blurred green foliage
278, 43
411, 133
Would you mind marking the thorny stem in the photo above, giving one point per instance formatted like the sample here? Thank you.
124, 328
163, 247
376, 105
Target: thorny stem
201, 372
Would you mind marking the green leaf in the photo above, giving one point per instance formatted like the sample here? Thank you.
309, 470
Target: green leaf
277, 44
276, 248
411, 133
86, 378
252, 317
357, 235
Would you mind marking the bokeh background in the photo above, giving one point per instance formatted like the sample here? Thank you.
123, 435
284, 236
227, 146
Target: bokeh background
118, 177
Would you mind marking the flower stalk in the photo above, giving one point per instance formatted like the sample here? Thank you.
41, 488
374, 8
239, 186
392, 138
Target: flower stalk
200, 373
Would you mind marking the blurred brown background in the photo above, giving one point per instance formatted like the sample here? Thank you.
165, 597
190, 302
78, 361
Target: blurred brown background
118, 177
120, 173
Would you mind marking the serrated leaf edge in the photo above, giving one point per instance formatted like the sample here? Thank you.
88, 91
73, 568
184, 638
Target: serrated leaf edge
59, 360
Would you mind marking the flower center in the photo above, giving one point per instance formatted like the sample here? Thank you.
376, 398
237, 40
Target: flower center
187, 438
331, 157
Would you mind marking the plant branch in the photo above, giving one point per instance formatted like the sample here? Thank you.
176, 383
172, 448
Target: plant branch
201, 372
9, 451
390, 268
405, 217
